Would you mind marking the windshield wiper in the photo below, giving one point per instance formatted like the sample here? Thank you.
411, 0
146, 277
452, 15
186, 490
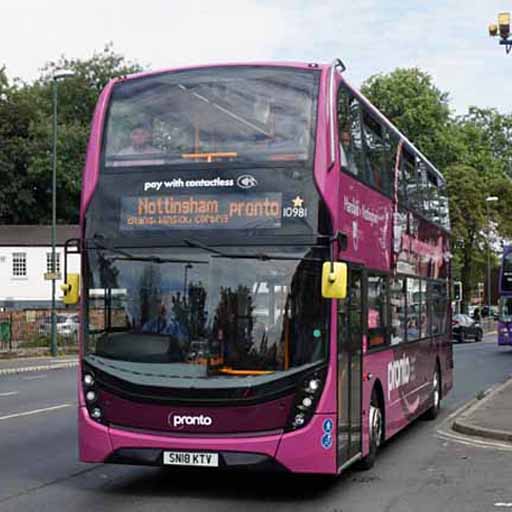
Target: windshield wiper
261, 256
126, 256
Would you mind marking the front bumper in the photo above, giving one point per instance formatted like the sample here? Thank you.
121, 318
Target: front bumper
301, 451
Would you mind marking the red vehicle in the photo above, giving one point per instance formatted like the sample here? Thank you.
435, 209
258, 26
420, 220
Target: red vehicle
266, 269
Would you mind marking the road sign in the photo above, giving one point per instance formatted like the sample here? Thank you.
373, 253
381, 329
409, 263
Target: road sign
52, 276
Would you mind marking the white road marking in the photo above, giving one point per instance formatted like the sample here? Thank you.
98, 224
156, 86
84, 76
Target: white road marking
34, 377
10, 393
35, 411
507, 505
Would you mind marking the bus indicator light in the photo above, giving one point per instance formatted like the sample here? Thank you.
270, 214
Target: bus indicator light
96, 413
299, 420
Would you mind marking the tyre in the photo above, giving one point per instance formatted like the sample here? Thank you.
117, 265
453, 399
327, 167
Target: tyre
433, 412
479, 335
376, 432
462, 336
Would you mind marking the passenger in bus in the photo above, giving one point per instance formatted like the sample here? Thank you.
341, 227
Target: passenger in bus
141, 139
165, 324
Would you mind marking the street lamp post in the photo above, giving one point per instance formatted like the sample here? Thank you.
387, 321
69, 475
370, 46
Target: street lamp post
59, 75
489, 199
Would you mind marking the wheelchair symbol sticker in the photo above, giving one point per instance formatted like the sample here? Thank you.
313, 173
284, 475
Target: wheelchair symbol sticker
326, 441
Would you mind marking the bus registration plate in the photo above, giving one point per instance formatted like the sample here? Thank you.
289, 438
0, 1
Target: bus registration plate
202, 459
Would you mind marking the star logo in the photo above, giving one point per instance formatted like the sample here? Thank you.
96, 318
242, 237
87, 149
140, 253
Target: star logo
297, 202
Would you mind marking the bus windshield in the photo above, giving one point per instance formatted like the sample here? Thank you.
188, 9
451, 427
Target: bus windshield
505, 311
203, 315
208, 115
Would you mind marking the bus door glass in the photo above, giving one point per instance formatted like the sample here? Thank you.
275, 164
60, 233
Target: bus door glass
350, 334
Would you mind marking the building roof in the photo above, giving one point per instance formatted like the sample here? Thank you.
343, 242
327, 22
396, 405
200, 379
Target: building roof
36, 235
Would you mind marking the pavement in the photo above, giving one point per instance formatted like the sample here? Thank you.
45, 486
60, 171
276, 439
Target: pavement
488, 417
36, 364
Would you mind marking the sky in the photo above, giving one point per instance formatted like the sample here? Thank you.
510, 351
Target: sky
446, 38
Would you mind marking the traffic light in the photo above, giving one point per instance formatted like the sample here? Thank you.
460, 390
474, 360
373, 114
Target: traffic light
457, 291
504, 24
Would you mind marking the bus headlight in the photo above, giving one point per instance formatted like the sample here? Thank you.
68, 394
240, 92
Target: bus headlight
88, 380
91, 396
306, 399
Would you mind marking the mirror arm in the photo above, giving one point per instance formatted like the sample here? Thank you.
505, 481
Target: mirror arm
68, 244
341, 241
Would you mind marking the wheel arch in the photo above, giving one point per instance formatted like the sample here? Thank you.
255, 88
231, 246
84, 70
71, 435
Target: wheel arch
379, 390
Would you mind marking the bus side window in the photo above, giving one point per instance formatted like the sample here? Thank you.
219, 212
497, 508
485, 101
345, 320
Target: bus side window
377, 152
398, 311
377, 311
349, 130
408, 185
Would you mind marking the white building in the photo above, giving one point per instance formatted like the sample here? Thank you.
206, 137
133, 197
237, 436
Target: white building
25, 258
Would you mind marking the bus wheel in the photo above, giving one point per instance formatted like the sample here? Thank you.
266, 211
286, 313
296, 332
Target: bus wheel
433, 412
376, 432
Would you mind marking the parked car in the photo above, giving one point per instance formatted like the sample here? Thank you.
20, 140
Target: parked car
464, 327
65, 325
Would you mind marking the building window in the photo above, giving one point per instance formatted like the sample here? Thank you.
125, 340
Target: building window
19, 264
49, 266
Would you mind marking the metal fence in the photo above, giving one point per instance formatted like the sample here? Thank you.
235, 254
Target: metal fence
31, 329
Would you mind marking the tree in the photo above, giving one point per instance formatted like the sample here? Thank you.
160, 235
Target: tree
26, 136
409, 98
473, 151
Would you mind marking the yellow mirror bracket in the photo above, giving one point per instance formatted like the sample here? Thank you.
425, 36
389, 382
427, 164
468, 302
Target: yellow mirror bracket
334, 280
71, 289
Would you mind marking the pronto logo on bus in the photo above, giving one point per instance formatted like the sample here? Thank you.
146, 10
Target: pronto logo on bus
180, 421
399, 374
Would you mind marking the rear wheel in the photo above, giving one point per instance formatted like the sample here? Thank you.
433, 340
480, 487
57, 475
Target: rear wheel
462, 336
433, 412
479, 335
376, 432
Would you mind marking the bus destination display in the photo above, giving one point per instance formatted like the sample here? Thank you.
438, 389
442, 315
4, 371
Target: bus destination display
200, 211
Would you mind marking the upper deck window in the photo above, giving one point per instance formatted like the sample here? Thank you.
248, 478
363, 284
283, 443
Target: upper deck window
209, 115
367, 148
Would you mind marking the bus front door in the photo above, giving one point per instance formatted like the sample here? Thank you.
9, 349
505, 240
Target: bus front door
350, 336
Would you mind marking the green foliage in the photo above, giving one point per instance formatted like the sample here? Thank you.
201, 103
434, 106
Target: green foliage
473, 151
409, 98
26, 112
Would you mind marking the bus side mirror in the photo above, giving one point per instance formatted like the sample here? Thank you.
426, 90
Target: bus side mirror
334, 280
71, 289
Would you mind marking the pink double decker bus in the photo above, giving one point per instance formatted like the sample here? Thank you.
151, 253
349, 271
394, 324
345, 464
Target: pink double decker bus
265, 273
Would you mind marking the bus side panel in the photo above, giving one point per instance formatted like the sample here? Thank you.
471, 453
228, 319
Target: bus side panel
404, 374
93, 439
309, 449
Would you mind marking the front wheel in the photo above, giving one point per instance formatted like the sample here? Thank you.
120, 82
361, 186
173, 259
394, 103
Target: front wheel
376, 433
479, 335
433, 412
